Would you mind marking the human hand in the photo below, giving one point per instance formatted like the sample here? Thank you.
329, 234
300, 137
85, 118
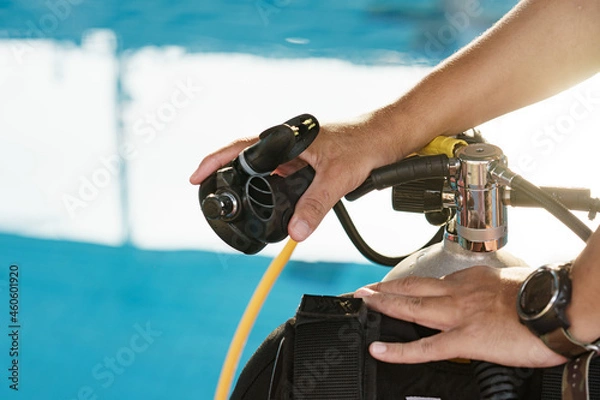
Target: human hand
475, 309
342, 155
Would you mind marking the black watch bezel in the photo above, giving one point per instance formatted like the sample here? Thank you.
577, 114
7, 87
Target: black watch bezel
553, 315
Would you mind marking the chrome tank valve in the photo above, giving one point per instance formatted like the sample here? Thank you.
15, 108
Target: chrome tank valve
481, 224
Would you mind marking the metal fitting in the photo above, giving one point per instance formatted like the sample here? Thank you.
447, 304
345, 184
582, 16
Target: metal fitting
481, 215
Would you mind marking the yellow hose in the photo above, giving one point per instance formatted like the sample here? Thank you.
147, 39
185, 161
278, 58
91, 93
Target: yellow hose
243, 330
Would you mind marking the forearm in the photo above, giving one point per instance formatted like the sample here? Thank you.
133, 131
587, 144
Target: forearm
584, 311
540, 48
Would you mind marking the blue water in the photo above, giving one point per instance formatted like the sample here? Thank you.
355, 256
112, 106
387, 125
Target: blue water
83, 303
364, 31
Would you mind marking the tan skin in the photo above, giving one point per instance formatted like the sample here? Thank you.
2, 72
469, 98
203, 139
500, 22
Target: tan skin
539, 49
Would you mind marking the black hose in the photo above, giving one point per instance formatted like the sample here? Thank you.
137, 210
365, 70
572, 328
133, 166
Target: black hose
364, 248
366, 187
575, 199
496, 382
407, 170
553, 206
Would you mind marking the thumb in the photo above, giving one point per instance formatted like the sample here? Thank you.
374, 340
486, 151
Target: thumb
219, 159
314, 204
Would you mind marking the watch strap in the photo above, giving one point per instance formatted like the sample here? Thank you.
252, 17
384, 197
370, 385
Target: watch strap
575, 377
560, 341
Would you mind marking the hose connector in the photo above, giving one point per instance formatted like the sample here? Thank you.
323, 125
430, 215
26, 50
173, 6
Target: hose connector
501, 173
545, 199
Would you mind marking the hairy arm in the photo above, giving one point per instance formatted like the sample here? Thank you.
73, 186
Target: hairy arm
540, 48
537, 50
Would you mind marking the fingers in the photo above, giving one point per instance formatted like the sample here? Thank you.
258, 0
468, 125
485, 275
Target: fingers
220, 158
290, 167
319, 198
426, 301
504, 349
415, 286
474, 309
310, 210
433, 312
433, 348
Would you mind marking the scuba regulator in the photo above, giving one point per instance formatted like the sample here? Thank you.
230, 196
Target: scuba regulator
245, 203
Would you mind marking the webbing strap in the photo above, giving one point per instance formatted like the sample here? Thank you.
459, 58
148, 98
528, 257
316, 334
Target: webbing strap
331, 360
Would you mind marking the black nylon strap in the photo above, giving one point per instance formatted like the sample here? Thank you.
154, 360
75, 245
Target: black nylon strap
331, 360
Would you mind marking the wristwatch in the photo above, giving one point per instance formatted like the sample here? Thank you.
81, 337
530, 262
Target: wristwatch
542, 304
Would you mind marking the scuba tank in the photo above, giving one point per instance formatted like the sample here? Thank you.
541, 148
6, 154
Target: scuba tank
461, 184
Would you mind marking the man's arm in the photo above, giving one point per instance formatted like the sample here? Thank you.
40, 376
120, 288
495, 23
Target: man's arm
537, 50
540, 48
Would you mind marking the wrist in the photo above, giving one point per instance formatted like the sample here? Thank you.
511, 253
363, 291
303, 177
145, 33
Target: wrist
389, 130
583, 312
543, 303
400, 128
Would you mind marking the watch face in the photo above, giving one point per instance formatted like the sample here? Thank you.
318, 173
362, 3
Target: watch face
538, 293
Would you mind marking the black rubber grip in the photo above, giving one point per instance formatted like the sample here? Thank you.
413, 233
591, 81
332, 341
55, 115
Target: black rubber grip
408, 170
